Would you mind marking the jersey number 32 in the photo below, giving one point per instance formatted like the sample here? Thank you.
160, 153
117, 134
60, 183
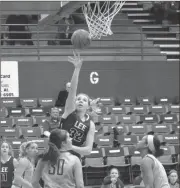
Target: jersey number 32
58, 169
76, 135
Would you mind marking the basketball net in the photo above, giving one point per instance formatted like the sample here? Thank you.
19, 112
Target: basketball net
99, 17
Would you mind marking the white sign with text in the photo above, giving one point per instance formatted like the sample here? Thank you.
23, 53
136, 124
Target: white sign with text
9, 79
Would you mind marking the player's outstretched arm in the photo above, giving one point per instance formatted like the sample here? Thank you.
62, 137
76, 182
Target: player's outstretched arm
78, 174
70, 102
20, 169
146, 168
86, 150
37, 174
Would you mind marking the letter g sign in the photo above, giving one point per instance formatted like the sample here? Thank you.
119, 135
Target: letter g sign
94, 77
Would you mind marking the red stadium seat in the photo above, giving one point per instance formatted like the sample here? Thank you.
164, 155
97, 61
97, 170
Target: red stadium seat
157, 109
172, 108
145, 100
106, 101
169, 118
116, 110
95, 159
167, 159
9, 132
139, 109
126, 119
149, 119
26, 132
120, 128
94, 168
107, 119
137, 129
175, 128
128, 100
39, 120
15, 143
16, 112
37, 112
9, 102
163, 100
28, 103
135, 160
127, 140
46, 102
104, 140
116, 157
171, 139
23, 121
6, 122
3, 112
161, 128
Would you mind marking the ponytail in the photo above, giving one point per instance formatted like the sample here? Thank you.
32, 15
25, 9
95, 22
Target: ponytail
52, 154
159, 152
56, 138
154, 145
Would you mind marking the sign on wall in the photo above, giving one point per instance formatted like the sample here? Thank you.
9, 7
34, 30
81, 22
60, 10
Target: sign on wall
9, 79
94, 77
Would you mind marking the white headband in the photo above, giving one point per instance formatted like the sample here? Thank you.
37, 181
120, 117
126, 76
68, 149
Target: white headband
150, 142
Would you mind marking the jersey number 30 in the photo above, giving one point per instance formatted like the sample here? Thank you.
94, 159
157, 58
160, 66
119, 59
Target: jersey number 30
58, 169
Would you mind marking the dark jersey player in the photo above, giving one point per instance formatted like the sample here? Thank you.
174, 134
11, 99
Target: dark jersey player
8, 164
75, 118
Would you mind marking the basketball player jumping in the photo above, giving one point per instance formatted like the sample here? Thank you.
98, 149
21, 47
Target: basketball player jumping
75, 118
25, 168
59, 168
153, 172
8, 165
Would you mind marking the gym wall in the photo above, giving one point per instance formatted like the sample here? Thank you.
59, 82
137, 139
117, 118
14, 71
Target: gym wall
46, 79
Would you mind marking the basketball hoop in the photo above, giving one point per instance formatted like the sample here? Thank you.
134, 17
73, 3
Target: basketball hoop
99, 16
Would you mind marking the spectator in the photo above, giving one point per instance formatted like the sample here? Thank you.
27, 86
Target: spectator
171, 12
18, 19
158, 11
173, 179
53, 123
112, 181
63, 94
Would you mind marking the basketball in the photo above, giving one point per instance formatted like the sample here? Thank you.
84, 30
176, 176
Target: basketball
81, 39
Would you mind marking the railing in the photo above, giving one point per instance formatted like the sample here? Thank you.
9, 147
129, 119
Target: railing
38, 38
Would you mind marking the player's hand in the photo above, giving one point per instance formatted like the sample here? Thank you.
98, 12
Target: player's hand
76, 60
114, 180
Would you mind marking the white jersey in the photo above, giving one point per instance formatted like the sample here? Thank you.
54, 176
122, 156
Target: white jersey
60, 175
27, 175
159, 173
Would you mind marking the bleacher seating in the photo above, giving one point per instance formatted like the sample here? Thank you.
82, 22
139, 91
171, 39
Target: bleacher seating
122, 122
94, 167
29, 103
145, 100
118, 127
12, 103
6, 122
